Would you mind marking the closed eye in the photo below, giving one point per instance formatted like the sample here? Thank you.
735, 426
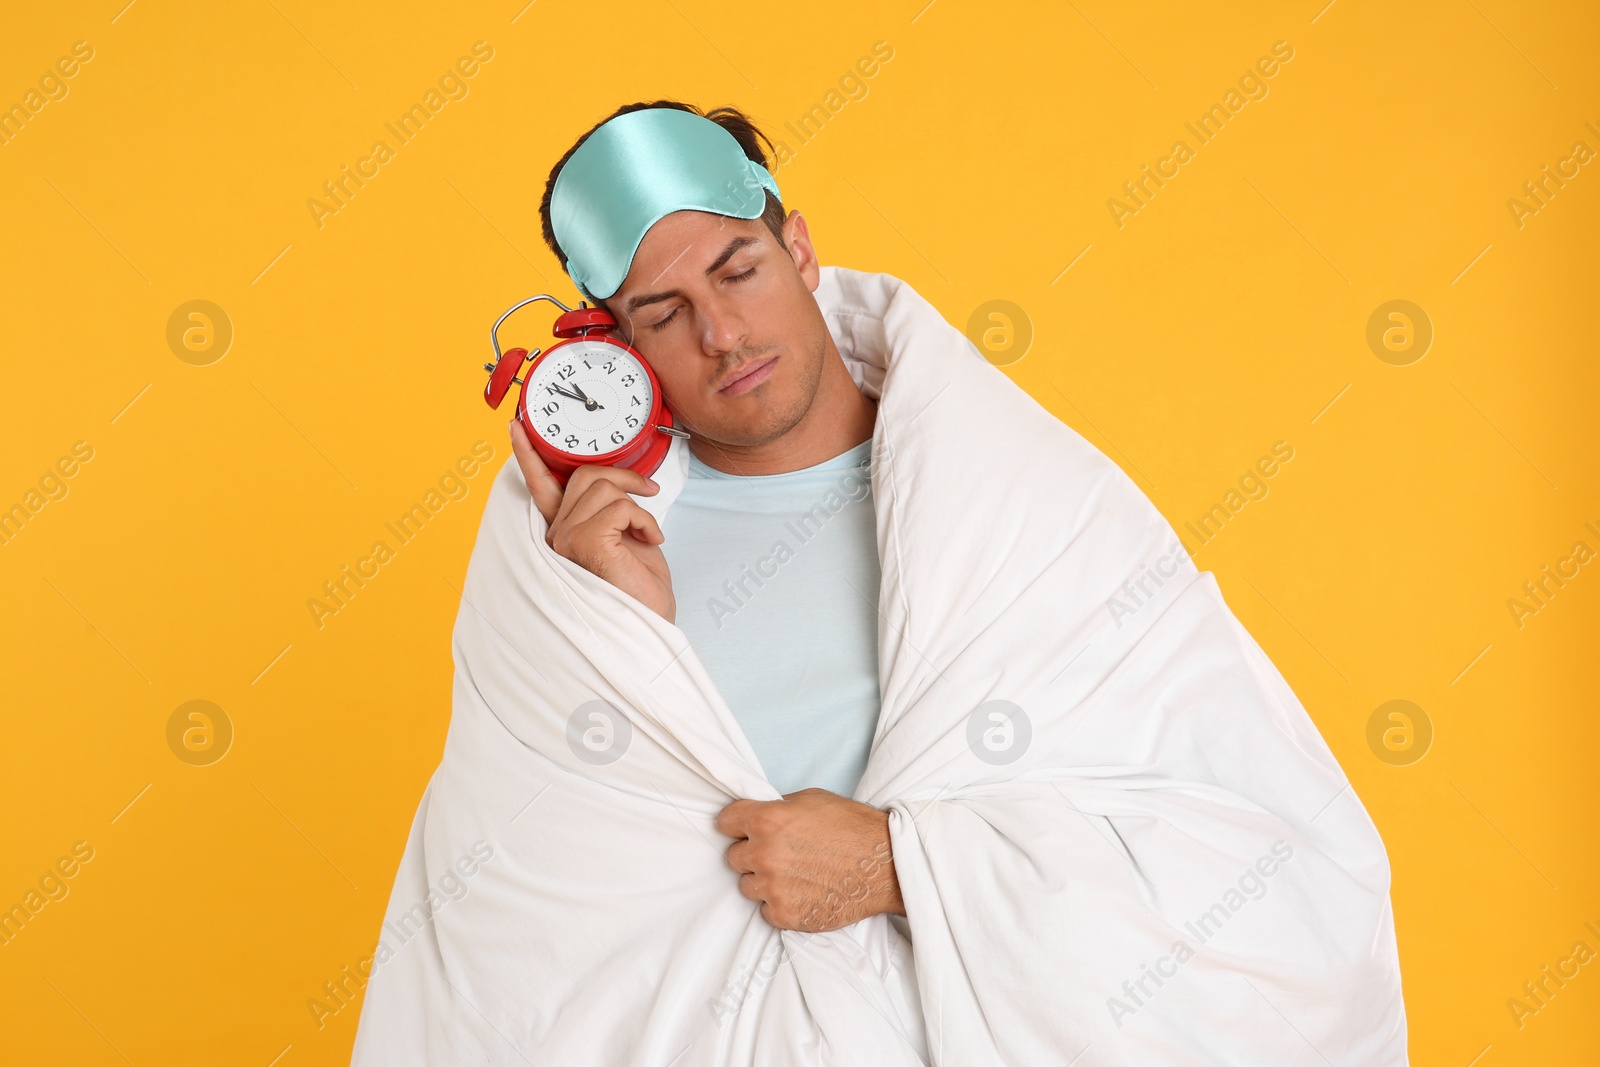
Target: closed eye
656, 326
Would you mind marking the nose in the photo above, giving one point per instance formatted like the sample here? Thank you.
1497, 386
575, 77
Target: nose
723, 327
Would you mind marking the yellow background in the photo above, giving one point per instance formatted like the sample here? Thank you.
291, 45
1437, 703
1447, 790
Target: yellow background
1228, 314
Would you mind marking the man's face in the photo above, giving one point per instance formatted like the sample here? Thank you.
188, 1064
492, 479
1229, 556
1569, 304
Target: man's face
709, 298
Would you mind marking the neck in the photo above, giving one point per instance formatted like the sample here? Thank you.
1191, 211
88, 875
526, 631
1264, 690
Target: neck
841, 416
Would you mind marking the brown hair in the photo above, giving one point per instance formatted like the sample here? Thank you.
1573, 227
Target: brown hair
733, 120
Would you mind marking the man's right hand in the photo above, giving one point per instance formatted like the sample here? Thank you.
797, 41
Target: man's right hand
596, 525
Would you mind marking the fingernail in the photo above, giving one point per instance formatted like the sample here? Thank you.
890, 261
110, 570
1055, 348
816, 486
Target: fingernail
653, 483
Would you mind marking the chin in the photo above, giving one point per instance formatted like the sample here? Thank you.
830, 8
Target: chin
769, 415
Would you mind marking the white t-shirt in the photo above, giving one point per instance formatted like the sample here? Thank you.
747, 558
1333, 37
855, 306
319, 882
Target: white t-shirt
776, 579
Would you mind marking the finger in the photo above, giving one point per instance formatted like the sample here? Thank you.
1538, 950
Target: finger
610, 482
731, 819
626, 479
619, 515
641, 524
544, 486
585, 498
747, 887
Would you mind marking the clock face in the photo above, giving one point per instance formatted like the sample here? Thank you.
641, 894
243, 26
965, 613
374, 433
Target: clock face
588, 398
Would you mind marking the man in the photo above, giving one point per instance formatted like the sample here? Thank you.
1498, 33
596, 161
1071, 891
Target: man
934, 666
709, 300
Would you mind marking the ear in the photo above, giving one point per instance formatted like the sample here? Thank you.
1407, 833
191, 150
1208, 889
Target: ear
798, 237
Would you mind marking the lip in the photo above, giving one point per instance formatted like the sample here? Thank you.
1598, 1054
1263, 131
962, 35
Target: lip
750, 377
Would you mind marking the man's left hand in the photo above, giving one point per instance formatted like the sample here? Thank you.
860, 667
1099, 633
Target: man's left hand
817, 861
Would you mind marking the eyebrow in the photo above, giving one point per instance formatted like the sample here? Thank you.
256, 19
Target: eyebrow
637, 302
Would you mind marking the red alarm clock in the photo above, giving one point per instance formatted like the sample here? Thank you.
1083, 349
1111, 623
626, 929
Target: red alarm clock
589, 398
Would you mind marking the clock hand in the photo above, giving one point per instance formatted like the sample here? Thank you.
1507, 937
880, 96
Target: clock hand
588, 402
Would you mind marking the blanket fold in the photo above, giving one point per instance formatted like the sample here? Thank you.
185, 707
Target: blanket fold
1119, 836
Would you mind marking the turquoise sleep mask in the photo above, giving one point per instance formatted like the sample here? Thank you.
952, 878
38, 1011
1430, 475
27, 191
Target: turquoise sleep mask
637, 169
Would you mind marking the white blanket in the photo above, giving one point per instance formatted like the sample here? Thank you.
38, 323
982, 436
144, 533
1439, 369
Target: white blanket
1119, 837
